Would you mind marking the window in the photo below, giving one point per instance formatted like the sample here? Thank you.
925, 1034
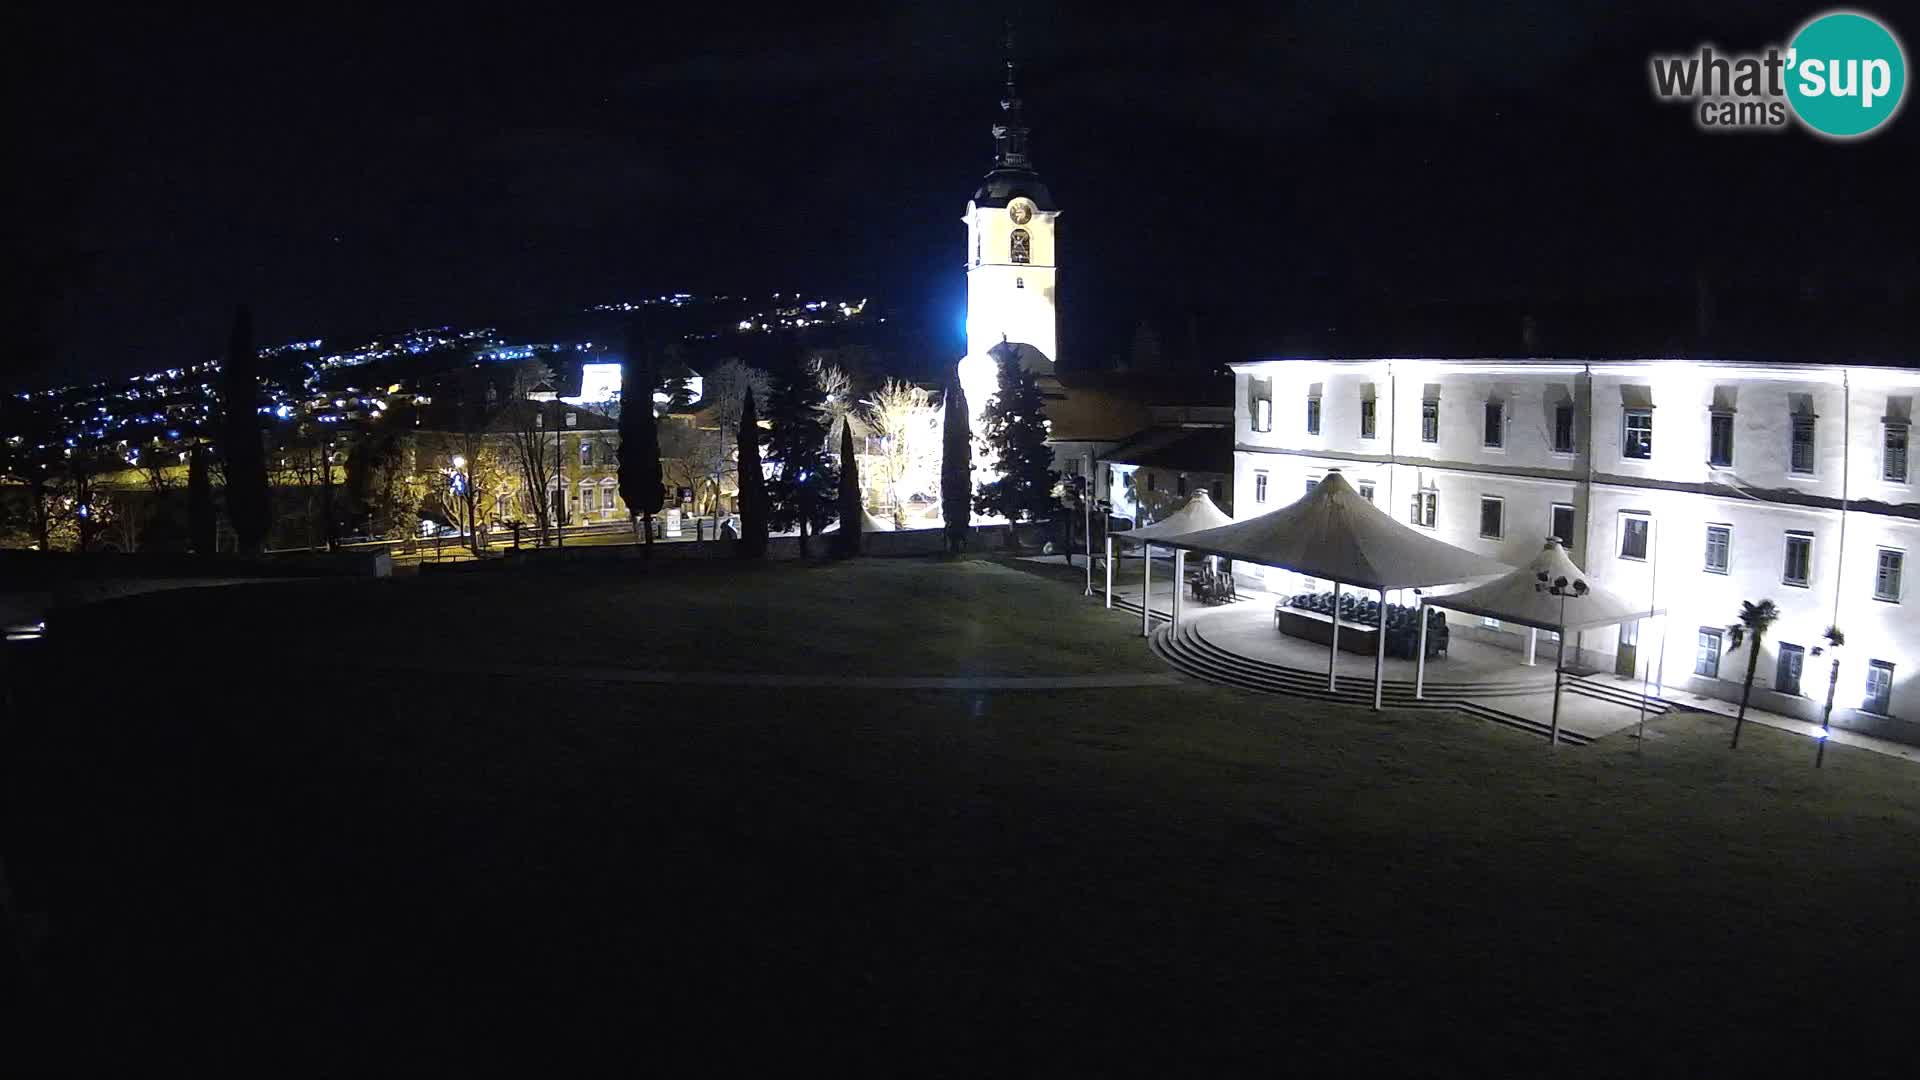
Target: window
588, 501
1153, 482
1366, 418
1886, 575
1366, 490
1492, 517
1430, 421
1719, 543
607, 490
572, 419
1260, 487
1019, 283
1313, 480
1720, 439
1180, 484
1802, 458
1216, 489
1799, 561
1634, 529
500, 502
1706, 654
1562, 524
586, 453
1022, 246
1313, 416
1488, 622
1786, 674
1637, 439
1262, 404
1494, 433
1879, 697
1563, 429
1893, 460
1426, 508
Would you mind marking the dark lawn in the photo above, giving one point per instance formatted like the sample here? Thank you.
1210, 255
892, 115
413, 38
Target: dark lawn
316, 868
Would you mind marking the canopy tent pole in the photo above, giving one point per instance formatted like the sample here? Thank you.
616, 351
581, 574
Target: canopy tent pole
1333, 650
1660, 676
1533, 644
1559, 665
1179, 579
1420, 650
1640, 735
1380, 652
1146, 590
1110, 573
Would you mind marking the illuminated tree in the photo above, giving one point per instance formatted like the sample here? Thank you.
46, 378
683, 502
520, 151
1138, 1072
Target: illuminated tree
1755, 619
801, 491
249, 503
835, 388
753, 484
956, 468
846, 542
908, 423
1016, 433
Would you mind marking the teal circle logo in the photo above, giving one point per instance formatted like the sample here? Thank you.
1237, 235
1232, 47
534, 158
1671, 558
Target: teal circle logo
1846, 74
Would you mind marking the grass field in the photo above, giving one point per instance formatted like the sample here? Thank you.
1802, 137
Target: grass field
324, 861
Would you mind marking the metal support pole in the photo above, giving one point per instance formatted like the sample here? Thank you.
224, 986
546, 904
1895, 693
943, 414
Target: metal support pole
1333, 650
1086, 500
1559, 664
1109, 573
1420, 651
1179, 581
1380, 652
1533, 644
1146, 589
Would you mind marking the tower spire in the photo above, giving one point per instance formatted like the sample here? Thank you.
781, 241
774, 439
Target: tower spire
1010, 132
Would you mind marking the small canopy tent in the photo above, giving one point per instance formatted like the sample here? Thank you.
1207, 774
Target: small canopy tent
1549, 593
1197, 513
1333, 532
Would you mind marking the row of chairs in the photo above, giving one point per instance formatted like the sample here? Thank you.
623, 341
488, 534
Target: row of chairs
1212, 586
1403, 623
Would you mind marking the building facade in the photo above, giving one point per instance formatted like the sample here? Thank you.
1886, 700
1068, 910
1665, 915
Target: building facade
1696, 485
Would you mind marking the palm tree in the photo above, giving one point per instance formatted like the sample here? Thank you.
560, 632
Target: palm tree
1835, 638
1754, 620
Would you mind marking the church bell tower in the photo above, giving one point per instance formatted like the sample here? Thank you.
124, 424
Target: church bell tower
1011, 255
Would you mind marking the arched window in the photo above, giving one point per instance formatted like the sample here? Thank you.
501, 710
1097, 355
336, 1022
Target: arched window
1019, 283
586, 453
1022, 246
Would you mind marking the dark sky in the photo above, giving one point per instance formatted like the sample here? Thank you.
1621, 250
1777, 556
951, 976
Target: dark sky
1282, 166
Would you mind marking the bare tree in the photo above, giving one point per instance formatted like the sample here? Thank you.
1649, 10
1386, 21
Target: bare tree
908, 423
726, 387
532, 444
836, 397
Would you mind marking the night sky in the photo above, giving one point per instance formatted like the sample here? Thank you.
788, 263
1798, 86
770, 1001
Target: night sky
1286, 171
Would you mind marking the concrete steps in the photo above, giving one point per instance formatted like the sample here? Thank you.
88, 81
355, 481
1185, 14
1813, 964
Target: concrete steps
1187, 651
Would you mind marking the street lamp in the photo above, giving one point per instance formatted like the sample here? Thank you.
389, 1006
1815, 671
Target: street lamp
1561, 588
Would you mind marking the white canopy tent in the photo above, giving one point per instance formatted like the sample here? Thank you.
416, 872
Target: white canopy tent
1333, 532
1549, 593
1197, 513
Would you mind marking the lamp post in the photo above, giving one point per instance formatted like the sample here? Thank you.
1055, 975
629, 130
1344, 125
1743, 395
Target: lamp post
466, 497
1563, 589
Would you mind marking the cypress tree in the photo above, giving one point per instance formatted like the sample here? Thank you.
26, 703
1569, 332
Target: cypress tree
1016, 431
753, 485
248, 501
641, 484
956, 468
200, 530
847, 541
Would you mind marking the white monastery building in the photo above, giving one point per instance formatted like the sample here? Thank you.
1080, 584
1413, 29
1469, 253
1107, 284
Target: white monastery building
1696, 485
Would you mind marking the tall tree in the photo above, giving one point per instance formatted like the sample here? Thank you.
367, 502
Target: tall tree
801, 492
1752, 627
1016, 433
908, 423
641, 484
249, 503
753, 484
533, 444
846, 542
956, 468
200, 524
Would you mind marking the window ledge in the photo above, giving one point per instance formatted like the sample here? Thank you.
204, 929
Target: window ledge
1795, 584
1894, 600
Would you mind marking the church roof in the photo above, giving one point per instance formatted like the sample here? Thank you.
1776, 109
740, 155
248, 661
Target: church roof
1002, 186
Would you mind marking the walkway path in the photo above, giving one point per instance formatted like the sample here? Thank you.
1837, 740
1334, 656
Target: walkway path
802, 682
